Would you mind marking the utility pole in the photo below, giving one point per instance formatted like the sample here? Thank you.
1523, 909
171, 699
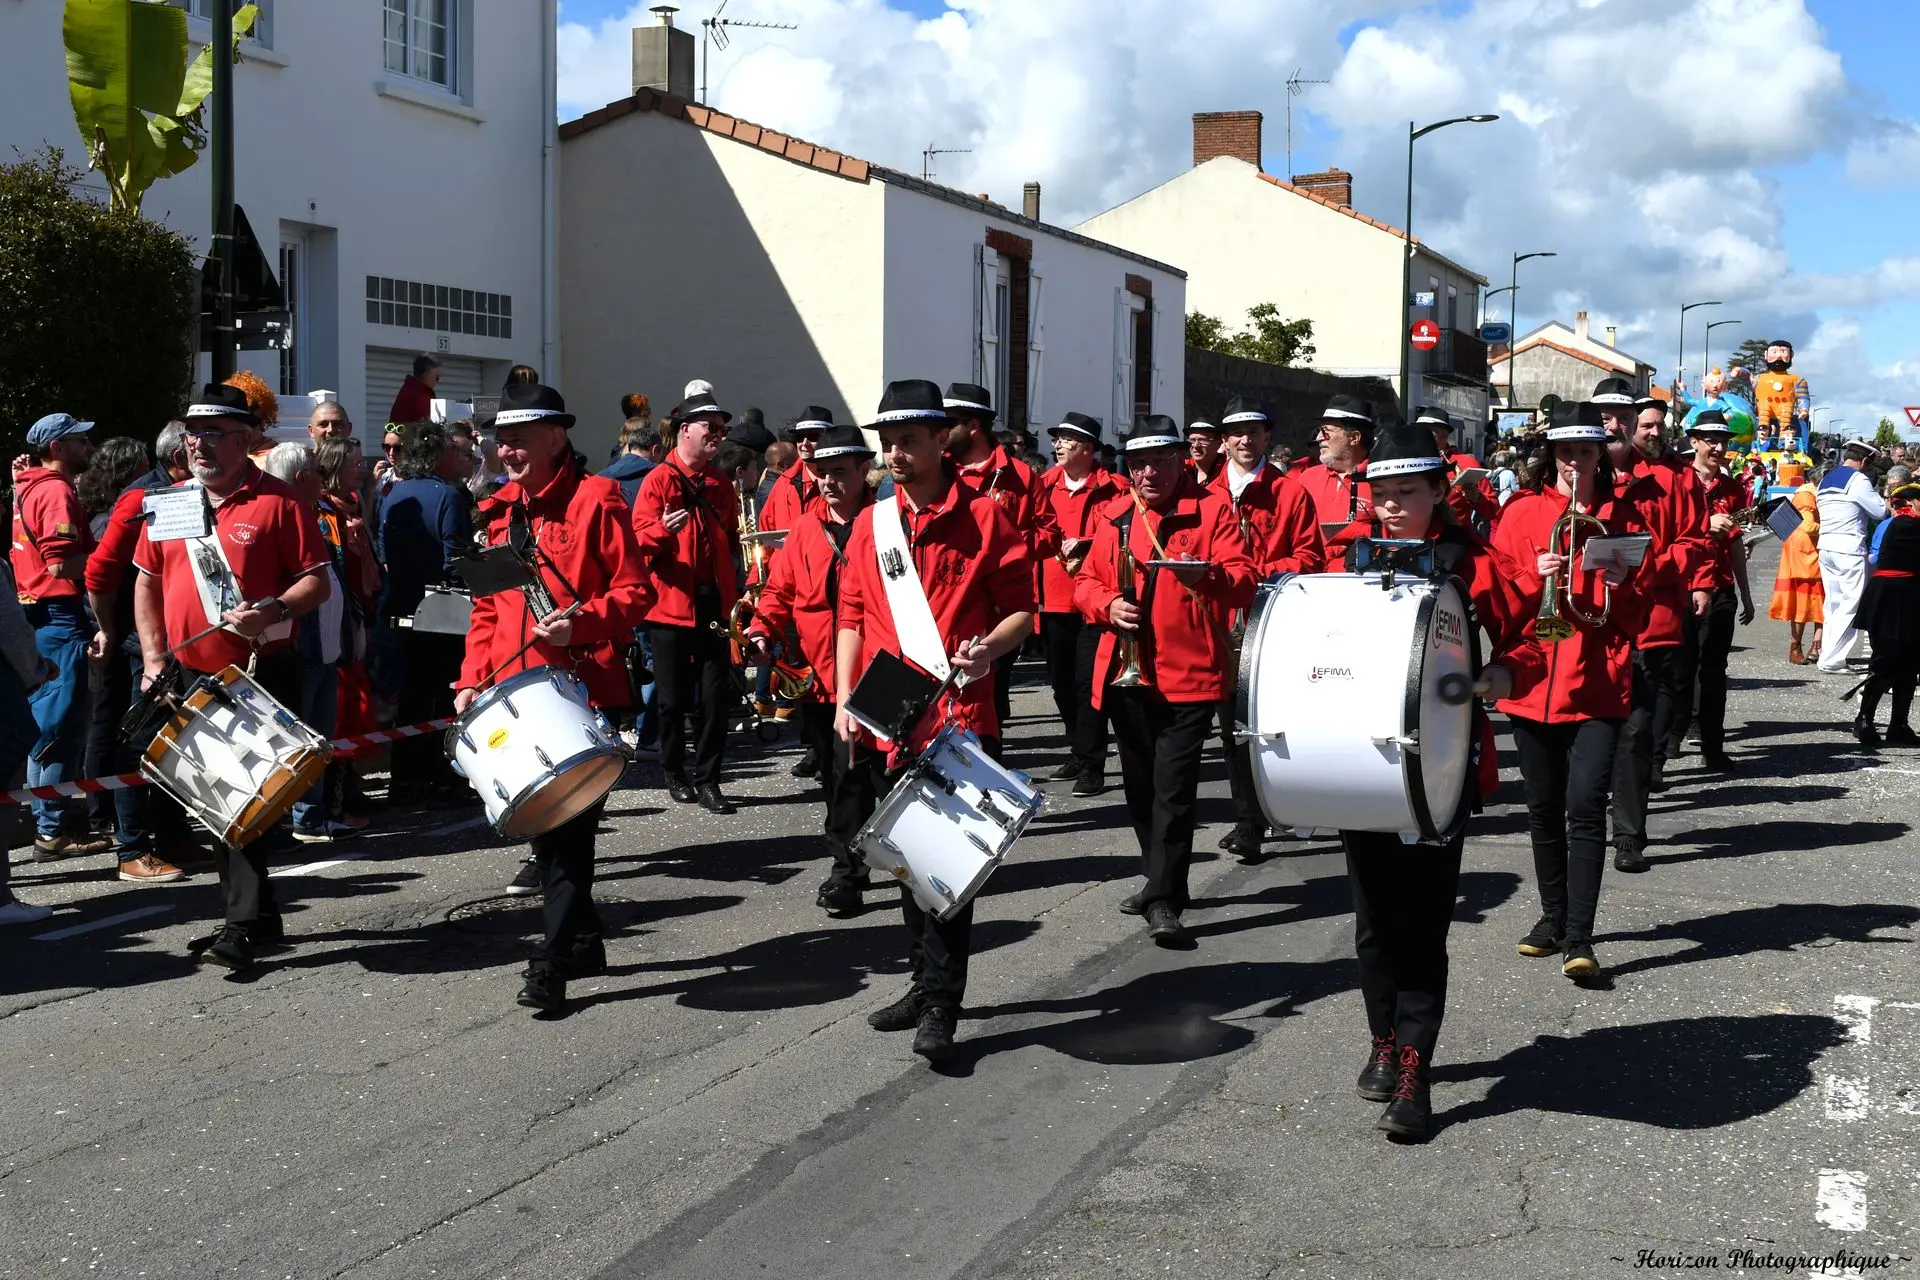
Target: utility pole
220, 145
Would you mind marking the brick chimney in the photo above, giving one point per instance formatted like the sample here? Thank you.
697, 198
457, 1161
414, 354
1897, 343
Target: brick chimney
1226, 133
1329, 184
1580, 324
1030, 201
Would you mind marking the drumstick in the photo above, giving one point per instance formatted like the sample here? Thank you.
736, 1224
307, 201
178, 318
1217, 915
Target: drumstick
487, 679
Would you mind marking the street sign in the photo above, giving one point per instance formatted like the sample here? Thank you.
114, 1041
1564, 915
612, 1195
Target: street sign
1913, 414
1424, 298
1495, 331
1426, 335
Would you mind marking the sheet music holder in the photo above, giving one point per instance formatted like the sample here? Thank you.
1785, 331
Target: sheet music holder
891, 696
493, 570
1784, 520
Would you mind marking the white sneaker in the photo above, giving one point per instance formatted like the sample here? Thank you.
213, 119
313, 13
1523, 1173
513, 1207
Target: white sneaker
17, 912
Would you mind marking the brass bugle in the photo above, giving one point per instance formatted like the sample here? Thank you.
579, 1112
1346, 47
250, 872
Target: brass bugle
1552, 623
1130, 676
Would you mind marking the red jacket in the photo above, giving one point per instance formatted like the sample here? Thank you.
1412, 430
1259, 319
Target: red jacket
976, 572
1669, 508
1279, 516
792, 494
1015, 490
580, 523
704, 550
1184, 648
1335, 500
1589, 675
108, 564
1474, 499
49, 524
1713, 568
1071, 517
412, 403
802, 595
1500, 609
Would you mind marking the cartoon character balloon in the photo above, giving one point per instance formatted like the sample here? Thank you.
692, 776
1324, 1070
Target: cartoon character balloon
1736, 407
1780, 395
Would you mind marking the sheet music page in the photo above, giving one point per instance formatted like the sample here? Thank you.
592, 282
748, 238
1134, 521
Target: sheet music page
173, 514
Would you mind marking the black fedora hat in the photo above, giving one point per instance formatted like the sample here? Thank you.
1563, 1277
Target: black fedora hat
1576, 420
1432, 415
1711, 423
1613, 391
1241, 409
969, 401
813, 418
754, 435
912, 400
838, 441
700, 402
1154, 431
1403, 450
523, 403
1348, 411
218, 400
1079, 424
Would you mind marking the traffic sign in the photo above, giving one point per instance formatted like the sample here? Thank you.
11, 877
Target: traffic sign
1913, 414
1426, 335
1496, 331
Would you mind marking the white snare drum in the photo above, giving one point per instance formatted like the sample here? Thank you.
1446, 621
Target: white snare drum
1356, 703
234, 757
537, 751
948, 822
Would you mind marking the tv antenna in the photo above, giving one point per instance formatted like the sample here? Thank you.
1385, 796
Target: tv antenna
1295, 87
714, 31
926, 158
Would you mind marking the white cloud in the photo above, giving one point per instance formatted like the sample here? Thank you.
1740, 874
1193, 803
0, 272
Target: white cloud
1888, 156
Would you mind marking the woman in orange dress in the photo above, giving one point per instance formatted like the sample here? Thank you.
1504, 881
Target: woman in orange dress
1797, 595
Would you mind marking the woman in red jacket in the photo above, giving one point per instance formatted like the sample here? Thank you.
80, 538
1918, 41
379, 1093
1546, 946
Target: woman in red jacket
1403, 898
1567, 727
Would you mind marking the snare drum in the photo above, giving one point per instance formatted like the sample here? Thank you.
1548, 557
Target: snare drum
234, 757
948, 822
1355, 703
537, 751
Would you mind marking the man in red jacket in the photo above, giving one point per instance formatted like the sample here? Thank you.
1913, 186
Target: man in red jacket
977, 580
1721, 572
1178, 618
1473, 505
588, 559
1336, 483
802, 597
1203, 450
1669, 508
686, 520
796, 488
1277, 524
414, 401
51, 539
1074, 493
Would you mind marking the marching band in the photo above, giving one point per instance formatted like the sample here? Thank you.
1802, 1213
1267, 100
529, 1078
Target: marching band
1202, 593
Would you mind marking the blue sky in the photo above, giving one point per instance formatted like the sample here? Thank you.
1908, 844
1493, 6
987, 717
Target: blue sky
1668, 149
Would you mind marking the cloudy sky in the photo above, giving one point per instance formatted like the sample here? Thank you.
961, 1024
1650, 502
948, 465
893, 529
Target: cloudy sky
1764, 153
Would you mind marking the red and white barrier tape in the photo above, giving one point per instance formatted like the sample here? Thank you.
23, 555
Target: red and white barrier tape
93, 786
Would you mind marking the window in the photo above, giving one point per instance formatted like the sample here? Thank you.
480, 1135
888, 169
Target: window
1453, 307
1143, 362
420, 36
409, 304
293, 282
262, 25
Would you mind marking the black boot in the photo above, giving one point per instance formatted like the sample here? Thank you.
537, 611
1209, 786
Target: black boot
934, 1040
544, 989
838, 900
587, 959
231, 948
1543, 939
1863, 730
1380, 1074
902, 1015
1628, 857
1091, 782
808, 765
1899, 732
1410, 1114
1244, 840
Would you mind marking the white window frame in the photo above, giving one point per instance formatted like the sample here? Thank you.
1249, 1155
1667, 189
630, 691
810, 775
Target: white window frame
411, 55
1126, 304
200, 12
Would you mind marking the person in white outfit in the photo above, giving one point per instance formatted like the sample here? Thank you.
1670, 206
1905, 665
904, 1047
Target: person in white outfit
1849, 508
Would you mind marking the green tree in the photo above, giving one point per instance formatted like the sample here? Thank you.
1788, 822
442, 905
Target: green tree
1271, 339
137, 101
1750, 355
1886, 436
98, 308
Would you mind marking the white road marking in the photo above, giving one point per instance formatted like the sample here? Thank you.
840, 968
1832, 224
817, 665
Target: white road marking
309, 868
1846, 1097
106, 922
1841, 1202
1856, 1013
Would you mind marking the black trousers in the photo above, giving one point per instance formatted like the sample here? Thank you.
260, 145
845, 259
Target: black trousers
572, 921
1403, 899
937, 950
1709, 644
1643, 741
1070, 645
685, 658
1246, 808
1160, 746
1565, 769
1003, 687
431, 665
848, 804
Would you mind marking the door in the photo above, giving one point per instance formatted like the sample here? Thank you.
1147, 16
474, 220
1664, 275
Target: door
293, 283
461, 378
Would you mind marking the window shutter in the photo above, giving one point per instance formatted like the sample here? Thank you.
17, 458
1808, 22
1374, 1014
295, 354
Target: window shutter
1036, 345
988, 304
1153, 355
1122, 363
979, 314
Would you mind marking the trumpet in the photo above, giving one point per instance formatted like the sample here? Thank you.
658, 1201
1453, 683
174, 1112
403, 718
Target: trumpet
1130, 677
790, 683
1551, 624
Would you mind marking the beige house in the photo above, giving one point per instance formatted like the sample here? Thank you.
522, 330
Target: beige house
695, 244
1246, 237
1564, 361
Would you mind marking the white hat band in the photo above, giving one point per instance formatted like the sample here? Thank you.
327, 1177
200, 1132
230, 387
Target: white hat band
1345, 413
835, 451
1153, 442
1612, 397
214, 411
1577, 433
1403, 467
812, 424
910, 415
968, 404
514, 417
1252, 415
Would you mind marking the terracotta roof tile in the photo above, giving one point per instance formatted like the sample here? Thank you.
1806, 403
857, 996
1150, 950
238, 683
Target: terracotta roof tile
747, 133
795, 149
800, 152
850, 167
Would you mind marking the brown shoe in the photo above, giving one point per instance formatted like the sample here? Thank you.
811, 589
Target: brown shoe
147, 869
66, 846
1796, 655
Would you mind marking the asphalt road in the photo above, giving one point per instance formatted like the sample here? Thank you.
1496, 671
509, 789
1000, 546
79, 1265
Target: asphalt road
371, 1103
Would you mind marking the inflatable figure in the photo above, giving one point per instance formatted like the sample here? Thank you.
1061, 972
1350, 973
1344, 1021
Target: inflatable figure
1780, 395
1737, 408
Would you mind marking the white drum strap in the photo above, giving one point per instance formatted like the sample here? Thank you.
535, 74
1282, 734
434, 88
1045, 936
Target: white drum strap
913, 620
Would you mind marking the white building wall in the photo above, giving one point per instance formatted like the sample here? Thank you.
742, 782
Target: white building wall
930, 329
687, 255
381, 175
1244, 241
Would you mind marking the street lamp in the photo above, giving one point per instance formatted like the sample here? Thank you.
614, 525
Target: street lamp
1680, 365
1706, 344
1406, 274
1513, 316
1489, 296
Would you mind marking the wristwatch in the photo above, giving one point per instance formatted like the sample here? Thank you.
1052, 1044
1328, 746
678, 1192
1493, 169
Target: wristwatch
286, 610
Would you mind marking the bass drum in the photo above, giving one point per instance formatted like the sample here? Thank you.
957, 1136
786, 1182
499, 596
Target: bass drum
1355, 703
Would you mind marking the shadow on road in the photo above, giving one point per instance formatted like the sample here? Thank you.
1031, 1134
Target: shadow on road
1748, 839
1686, 1073
1788, 926
769, 860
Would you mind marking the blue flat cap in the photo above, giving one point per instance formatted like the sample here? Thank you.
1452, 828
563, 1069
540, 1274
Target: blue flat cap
56, 426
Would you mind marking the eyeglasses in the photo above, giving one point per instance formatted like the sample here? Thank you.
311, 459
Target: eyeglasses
389, 445
212, 433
